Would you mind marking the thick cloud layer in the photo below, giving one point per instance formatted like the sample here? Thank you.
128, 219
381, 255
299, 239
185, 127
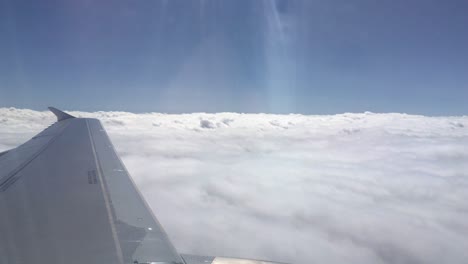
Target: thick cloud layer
349, 188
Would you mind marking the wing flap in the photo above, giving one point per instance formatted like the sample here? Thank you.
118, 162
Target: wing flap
141, 236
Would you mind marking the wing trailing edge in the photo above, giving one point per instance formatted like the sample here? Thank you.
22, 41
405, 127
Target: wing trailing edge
195, 259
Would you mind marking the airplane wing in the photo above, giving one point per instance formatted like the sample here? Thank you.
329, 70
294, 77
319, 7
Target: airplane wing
66, 197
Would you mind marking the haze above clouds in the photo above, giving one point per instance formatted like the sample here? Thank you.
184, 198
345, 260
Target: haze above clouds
349, 188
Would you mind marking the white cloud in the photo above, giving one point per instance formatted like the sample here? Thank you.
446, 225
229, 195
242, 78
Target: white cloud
350, 188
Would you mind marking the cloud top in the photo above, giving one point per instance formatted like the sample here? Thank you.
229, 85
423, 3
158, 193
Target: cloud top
349, 188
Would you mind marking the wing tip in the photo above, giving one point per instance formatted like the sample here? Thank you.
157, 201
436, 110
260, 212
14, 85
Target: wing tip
60, 114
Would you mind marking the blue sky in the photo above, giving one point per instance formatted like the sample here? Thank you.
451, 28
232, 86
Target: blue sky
310, 57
